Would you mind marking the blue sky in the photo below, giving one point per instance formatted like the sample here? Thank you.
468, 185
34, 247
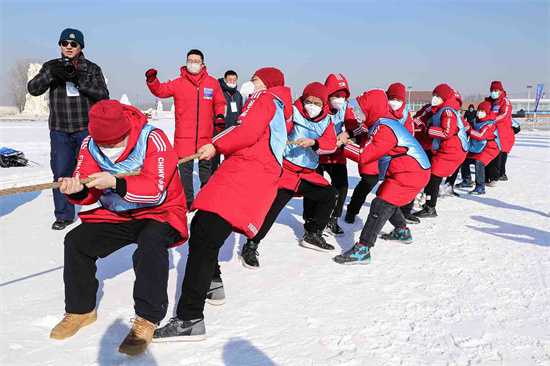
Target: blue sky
465, 44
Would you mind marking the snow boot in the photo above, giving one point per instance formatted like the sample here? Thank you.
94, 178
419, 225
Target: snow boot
181, 331
402, 235
477, 192
464, 184
333, 228
410, 218
503, 178
358, 254
216, 294
249, 255
492, 183
427, 211
61, 224
350, 218
314, 240
71, 323
138, 338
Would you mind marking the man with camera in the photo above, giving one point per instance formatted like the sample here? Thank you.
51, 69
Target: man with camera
75, 84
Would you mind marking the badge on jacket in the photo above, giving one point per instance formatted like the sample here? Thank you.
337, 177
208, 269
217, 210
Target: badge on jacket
208, 93
496, 109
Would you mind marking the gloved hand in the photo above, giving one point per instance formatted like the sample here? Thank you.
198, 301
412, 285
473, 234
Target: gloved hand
56, 69
151, 75
219, 125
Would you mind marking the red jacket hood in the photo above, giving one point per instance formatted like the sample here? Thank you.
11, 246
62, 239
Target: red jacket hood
138, 120
283, 93
454, 102
193, 78
334, 83
374, 105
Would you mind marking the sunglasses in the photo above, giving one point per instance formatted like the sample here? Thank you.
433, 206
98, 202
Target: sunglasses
72, 43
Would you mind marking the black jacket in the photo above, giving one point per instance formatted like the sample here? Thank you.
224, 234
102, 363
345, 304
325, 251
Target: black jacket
231, 95
469, 116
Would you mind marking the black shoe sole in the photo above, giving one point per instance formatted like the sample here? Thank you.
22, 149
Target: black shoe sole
305, 244
246, 265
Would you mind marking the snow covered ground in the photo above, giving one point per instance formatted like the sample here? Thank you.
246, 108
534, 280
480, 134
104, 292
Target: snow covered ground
473, 289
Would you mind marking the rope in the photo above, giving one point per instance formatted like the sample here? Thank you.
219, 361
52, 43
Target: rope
54, 185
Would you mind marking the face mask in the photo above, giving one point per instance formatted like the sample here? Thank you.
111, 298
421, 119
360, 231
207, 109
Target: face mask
481, 114
395, 104
194, 68
338, 103
436, 100
495, 95
471, 109
247, 89
313, 110
232, 86
112, 153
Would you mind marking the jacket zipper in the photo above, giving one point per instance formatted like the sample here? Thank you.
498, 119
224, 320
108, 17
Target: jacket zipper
198, 103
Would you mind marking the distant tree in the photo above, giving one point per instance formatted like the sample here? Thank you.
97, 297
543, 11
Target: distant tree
17, 81
475, 97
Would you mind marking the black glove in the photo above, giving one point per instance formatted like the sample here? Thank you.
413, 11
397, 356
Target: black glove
56, 69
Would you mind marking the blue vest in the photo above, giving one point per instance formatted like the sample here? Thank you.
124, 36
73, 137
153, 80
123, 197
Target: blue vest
478, 146
404, 139
277, 128
339, 118
515, 123
110, 200
462, 135
303, 127
405, 115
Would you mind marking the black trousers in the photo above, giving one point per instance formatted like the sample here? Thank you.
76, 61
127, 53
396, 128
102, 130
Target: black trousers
452, 179
339, 179
325, 197
492, 170
186, 176
90, 241
432, 190
380, 212
208, 233
503, 159
360, 193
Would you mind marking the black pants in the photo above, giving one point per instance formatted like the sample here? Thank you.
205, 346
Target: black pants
324, 196
503, 159
359, 196
208, 233
432, 190
186, 176
339, 179
215, 162
90, 241
406, 209
380, 212
452, 179
492, 170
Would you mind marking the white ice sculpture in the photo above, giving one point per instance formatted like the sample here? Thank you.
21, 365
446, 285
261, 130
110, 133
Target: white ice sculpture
159, 106
39, 105
125, 100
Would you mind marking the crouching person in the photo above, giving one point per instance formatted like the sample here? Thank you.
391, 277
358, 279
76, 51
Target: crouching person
148, 209
407, 170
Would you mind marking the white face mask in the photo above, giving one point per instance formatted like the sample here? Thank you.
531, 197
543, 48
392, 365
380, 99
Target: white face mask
194, 68
112, 153
247, 89
313, 110
395, 104
481, 114
231, 85
436, 100
338, 103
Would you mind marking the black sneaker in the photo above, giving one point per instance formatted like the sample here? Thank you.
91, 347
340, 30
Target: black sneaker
314, 240
216, 294
249, 255
503, 178
402, 235
180, 331
350, 218
61, 224
332, 227
410, 218
427, 211
358, 254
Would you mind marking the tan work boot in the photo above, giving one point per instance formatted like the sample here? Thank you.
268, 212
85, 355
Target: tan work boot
71, 323
138, 339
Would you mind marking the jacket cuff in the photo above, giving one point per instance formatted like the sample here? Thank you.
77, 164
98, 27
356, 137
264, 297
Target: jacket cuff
121, 187
220, 116
80, 196
315, 146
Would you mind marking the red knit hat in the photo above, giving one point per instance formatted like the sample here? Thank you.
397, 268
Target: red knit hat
397, 91
271, 77
444, 91
485, 106
315, 90
496, 85
108, 123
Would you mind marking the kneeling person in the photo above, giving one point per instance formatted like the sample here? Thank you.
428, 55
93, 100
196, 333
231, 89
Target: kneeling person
148, 209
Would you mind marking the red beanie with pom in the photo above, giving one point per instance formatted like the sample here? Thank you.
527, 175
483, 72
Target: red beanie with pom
271, 77
108, 123
397, 91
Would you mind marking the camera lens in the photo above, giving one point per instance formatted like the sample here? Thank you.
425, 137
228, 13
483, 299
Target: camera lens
69, 71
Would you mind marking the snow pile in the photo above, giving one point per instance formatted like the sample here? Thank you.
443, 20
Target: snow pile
473, 289
125, 100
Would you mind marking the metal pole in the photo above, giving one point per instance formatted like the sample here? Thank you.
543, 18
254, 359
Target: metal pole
528, 99
409, 87
137, 101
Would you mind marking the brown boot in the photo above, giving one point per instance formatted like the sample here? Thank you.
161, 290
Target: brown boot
71, 323
139, 337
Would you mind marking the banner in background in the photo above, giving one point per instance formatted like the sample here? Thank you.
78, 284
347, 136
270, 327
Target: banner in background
538, 96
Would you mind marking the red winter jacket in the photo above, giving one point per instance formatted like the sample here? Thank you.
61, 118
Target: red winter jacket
405, 177
409, 123
244, 186
450, 154
486, 133
149, 184
421, 118
294, 174
504, 121
197, 99
336, 83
